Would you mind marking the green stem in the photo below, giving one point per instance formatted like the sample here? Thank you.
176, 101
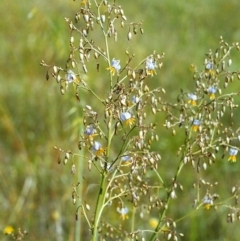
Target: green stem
78, 223
163, 213
99, 205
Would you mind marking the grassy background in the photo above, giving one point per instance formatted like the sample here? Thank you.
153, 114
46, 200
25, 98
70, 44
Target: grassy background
34, 117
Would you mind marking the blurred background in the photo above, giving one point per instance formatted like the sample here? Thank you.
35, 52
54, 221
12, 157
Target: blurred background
34, 116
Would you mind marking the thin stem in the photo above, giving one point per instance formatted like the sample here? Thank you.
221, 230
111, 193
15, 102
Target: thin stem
163, 213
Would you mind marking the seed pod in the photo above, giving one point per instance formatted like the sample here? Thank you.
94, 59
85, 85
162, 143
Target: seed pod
87, 207
153, 110
59, 160
65, 161
129, 36
86, 18
124, 17
73, 64
62, 90
223, 65
103, 18
55, 69
229, 62
73, 170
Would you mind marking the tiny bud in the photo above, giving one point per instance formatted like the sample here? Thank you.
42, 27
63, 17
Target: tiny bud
73, 170
154, 111
146, 89
59, 160
229, 62
55, 69
129, 36
85, 68
103, 18
62, 90
124, 17
86, 18
87, 207
73, 64
65, 161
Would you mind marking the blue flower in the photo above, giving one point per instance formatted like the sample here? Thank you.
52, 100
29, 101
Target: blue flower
232, 154
135, 99
150, 66
211, 91
192, 99
115, 67
195, 125
126, 159
127, 118
207, 201
209, 67
71, 77
90, 132
97, 148
123, 212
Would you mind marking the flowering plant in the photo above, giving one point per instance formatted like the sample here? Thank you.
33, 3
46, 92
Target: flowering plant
118, 134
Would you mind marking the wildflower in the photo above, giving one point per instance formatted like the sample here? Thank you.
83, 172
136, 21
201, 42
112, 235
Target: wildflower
207, 201
8, 230
150, 66
90, 132
97, 147
135, 99
195, 125
209, 67
127, 117
71, 77
153, 222
83, 2
126, 159
123, 212
211, 91
232, 154
115, 67
192, 99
